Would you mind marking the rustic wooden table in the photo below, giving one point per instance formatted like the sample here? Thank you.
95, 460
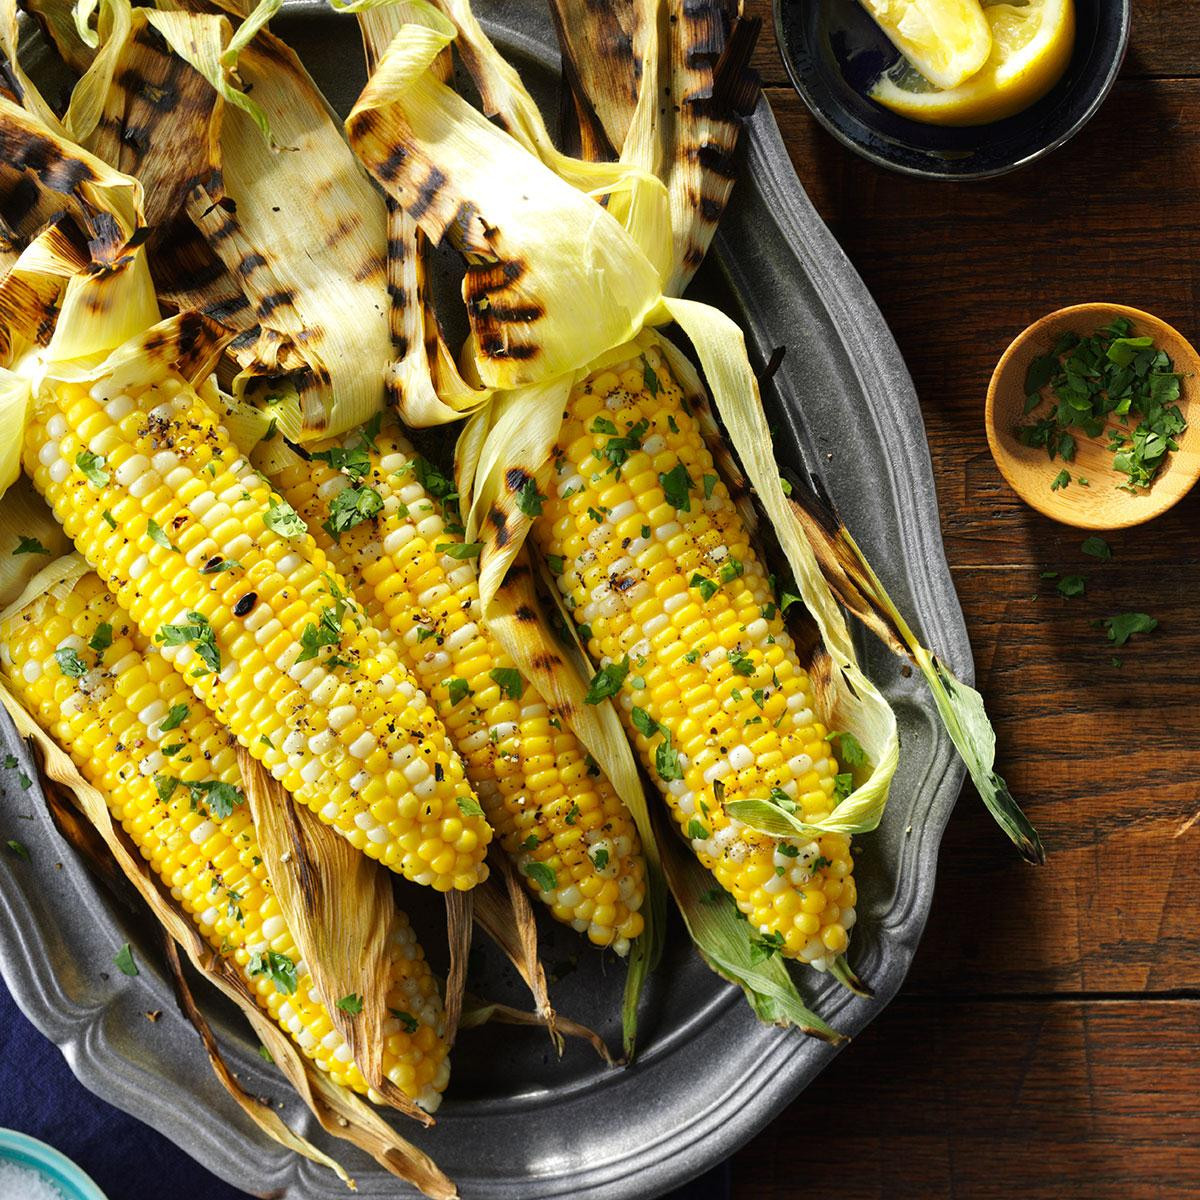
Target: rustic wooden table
1047, 1042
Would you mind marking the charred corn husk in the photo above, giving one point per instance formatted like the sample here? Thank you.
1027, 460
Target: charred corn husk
658, 570
224, 578
169, 773
407, 564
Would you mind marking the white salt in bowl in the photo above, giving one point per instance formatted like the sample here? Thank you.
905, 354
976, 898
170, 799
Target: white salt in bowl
31, 1170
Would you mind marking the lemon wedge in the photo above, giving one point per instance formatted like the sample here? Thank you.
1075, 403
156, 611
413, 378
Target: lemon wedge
1031, 47
947, 41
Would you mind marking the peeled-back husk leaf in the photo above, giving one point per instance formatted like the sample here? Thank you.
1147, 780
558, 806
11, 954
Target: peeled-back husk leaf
602, 47
552, 279
724, 940
160, 124
201, 40
712, 87
16, 396
628, 188
24, 514
43, 174
57, 21
278, 220
338, 1110
114, 28
339, 908
423, 381
960, 707
700, 53
28, 96
30, 291
161, 121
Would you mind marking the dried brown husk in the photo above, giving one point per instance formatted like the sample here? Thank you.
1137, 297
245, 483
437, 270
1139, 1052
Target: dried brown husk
506, 916
338, 1110
477, 1012
338, 905
460, 920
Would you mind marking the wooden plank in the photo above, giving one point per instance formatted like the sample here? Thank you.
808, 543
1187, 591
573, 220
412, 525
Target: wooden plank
1106, 763
958, 270
1083, 1099
1165, 39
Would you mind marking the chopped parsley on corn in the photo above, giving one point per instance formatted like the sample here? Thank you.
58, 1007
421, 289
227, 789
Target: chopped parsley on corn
676, 607
185, 812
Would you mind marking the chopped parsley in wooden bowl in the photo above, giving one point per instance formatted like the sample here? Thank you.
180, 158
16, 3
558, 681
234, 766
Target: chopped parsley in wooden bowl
1088, 415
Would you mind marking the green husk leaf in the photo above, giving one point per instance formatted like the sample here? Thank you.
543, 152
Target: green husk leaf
848, 979
960, 707
724, 940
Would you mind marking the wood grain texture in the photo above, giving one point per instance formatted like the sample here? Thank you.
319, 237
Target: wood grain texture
1047, 1042
983, 1100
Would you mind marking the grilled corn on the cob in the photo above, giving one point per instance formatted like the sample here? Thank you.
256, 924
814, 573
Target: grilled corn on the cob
658, 571
225, 579
372, 504
169, 773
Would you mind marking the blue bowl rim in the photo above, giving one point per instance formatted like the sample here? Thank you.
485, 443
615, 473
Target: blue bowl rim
881, 160
52, 1164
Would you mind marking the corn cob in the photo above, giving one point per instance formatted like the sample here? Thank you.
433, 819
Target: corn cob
658, 571
224, 578
557, 817
169, 773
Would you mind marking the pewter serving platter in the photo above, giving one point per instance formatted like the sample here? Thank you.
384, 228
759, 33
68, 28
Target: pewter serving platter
518, 1124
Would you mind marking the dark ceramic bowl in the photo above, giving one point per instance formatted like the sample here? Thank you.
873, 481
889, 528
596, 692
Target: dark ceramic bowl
834, 51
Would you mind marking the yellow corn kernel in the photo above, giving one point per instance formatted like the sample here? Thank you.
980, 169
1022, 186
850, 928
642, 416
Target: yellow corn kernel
685, 600
252, 577
557, 818
168, 773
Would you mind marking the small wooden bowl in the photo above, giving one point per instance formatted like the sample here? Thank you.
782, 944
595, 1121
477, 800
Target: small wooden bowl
1029, 471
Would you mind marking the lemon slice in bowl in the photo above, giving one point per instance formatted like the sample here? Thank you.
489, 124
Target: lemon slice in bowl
1031, 47
947, 41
